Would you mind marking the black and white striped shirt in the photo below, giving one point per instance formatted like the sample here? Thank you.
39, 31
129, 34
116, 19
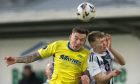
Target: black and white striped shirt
99, 63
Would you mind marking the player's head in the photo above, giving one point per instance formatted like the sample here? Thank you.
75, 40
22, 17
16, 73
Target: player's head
97, 40
78, 37
27, 71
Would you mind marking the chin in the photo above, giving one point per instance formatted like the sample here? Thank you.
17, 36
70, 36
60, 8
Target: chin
76, 48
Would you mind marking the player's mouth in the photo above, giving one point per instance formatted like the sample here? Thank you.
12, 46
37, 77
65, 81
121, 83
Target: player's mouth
76, 47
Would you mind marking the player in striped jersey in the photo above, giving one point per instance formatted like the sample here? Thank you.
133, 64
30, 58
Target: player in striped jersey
100, 60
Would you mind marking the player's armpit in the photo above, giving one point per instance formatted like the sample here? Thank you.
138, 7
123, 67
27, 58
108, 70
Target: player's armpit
29, 58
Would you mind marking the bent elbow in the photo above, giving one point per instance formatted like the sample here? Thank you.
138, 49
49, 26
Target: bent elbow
122, 63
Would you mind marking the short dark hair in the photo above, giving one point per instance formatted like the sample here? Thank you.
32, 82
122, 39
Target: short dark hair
80, 30
92, 36
28, 67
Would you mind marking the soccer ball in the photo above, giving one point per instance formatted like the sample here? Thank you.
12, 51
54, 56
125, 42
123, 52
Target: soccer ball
86, 12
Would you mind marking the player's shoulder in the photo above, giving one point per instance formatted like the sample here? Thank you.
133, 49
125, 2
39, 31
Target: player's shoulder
85, 50
60, 42
92, 57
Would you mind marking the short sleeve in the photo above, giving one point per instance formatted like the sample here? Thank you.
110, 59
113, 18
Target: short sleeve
48, 51
93, 68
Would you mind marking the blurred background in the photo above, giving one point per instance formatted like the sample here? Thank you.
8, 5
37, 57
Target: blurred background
26, 25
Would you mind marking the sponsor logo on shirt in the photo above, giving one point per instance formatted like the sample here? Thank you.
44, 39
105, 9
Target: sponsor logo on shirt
67, 58
80, 56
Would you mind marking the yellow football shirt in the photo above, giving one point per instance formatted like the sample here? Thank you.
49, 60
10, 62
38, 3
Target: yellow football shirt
68, 64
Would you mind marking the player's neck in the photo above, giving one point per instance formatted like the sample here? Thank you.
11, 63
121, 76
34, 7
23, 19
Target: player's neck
97, 51
70, 47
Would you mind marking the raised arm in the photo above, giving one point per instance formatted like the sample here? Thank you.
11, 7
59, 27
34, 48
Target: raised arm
117, 56
27, 59
41, 53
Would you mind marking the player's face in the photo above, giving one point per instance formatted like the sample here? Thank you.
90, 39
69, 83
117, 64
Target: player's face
77, 40
99, 45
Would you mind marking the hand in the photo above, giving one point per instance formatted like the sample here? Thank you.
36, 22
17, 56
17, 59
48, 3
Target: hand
10, 60
109, 41
85, 79
116, 73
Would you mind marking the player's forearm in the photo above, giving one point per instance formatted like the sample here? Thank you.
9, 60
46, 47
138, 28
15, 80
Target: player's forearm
29, 58
118, 57
103, 78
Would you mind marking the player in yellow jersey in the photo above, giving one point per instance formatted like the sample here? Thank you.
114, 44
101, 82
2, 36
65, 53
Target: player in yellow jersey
70, 57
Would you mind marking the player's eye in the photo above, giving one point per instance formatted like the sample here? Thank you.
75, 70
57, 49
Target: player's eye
82, 39
76, 38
